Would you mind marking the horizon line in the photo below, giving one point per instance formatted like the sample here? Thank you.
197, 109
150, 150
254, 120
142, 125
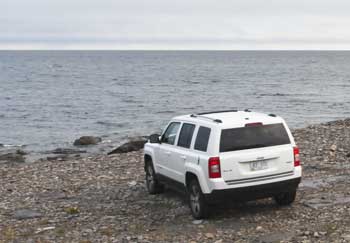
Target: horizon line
44, 49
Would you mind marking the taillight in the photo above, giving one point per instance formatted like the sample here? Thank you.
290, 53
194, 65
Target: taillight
214, 167
254, 124
296, 156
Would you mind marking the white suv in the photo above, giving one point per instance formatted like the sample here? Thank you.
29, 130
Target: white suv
240, 155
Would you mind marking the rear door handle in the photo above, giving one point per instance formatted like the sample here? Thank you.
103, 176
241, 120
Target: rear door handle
167, 152
183, 157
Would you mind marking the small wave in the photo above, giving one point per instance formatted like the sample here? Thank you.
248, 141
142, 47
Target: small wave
110, 124
55, 65
165, 112
192, 82
275, 94
13, 145
131, 101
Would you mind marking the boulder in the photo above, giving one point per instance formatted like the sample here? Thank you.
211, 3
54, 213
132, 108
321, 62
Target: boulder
87, 140
134, 144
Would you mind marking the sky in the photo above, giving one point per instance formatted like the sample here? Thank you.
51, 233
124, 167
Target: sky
175, 25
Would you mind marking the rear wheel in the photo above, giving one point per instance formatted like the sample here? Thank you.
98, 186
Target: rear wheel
285, 198
152, 184
198, 205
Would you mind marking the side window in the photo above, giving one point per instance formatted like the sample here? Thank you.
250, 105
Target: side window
185, 136
202, 139
170, 134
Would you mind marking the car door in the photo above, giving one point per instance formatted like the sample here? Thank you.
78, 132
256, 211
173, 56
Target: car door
166, 148
182, 152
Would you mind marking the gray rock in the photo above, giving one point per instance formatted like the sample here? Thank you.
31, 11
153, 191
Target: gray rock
199, 221
16, 157
134, 144
59, 157
67, 151
87, 140
26, 214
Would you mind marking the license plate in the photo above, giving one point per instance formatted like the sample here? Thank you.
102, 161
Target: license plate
258, 165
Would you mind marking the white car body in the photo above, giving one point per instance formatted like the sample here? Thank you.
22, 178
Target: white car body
247, 168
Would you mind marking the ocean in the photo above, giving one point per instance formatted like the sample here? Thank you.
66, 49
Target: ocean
50, 98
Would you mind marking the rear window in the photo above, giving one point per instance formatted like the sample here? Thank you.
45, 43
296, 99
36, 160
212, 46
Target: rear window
202, 139
253, 137
185, 137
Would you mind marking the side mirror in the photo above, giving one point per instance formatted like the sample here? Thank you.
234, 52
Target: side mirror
154, 138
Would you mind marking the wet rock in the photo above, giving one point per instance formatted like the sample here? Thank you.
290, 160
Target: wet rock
13, 157
21, 152
133, 145
26, 214
87, 140
59, 157
67, 151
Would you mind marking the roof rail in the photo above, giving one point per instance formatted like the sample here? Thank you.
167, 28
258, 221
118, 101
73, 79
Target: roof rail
273, 115
205, 117
213, 112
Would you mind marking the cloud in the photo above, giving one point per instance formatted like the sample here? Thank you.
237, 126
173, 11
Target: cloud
182, 24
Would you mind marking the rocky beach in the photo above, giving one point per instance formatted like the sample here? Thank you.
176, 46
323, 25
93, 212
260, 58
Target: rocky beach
103, 198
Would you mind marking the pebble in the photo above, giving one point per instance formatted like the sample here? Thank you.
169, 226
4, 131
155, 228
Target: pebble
26, 214
333, 148
209, 235
259, 229
200, 221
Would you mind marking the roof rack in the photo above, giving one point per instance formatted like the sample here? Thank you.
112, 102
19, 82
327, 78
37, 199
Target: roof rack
213, 112
273, 115
205, 117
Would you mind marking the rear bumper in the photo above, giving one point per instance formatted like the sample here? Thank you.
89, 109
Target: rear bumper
253, 192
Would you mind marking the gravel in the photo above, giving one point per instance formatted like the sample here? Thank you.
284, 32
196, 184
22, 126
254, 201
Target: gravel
103, 199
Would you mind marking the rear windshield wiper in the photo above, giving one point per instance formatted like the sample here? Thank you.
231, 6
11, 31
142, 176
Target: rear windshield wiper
258, 145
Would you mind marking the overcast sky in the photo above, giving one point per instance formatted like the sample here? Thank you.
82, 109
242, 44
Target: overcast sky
180, 24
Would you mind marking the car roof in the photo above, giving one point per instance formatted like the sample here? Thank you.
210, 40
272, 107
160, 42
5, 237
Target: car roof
229, 119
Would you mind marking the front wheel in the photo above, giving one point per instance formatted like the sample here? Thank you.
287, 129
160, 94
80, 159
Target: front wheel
152, 184
285, 198
198, 205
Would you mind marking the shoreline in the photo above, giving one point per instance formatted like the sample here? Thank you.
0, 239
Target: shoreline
71, 151
103, 198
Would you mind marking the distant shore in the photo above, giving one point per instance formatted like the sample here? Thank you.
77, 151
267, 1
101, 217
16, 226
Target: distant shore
103, 198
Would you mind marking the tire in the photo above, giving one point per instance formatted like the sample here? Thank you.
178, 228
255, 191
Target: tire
197, 203
285, 198
152, 184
